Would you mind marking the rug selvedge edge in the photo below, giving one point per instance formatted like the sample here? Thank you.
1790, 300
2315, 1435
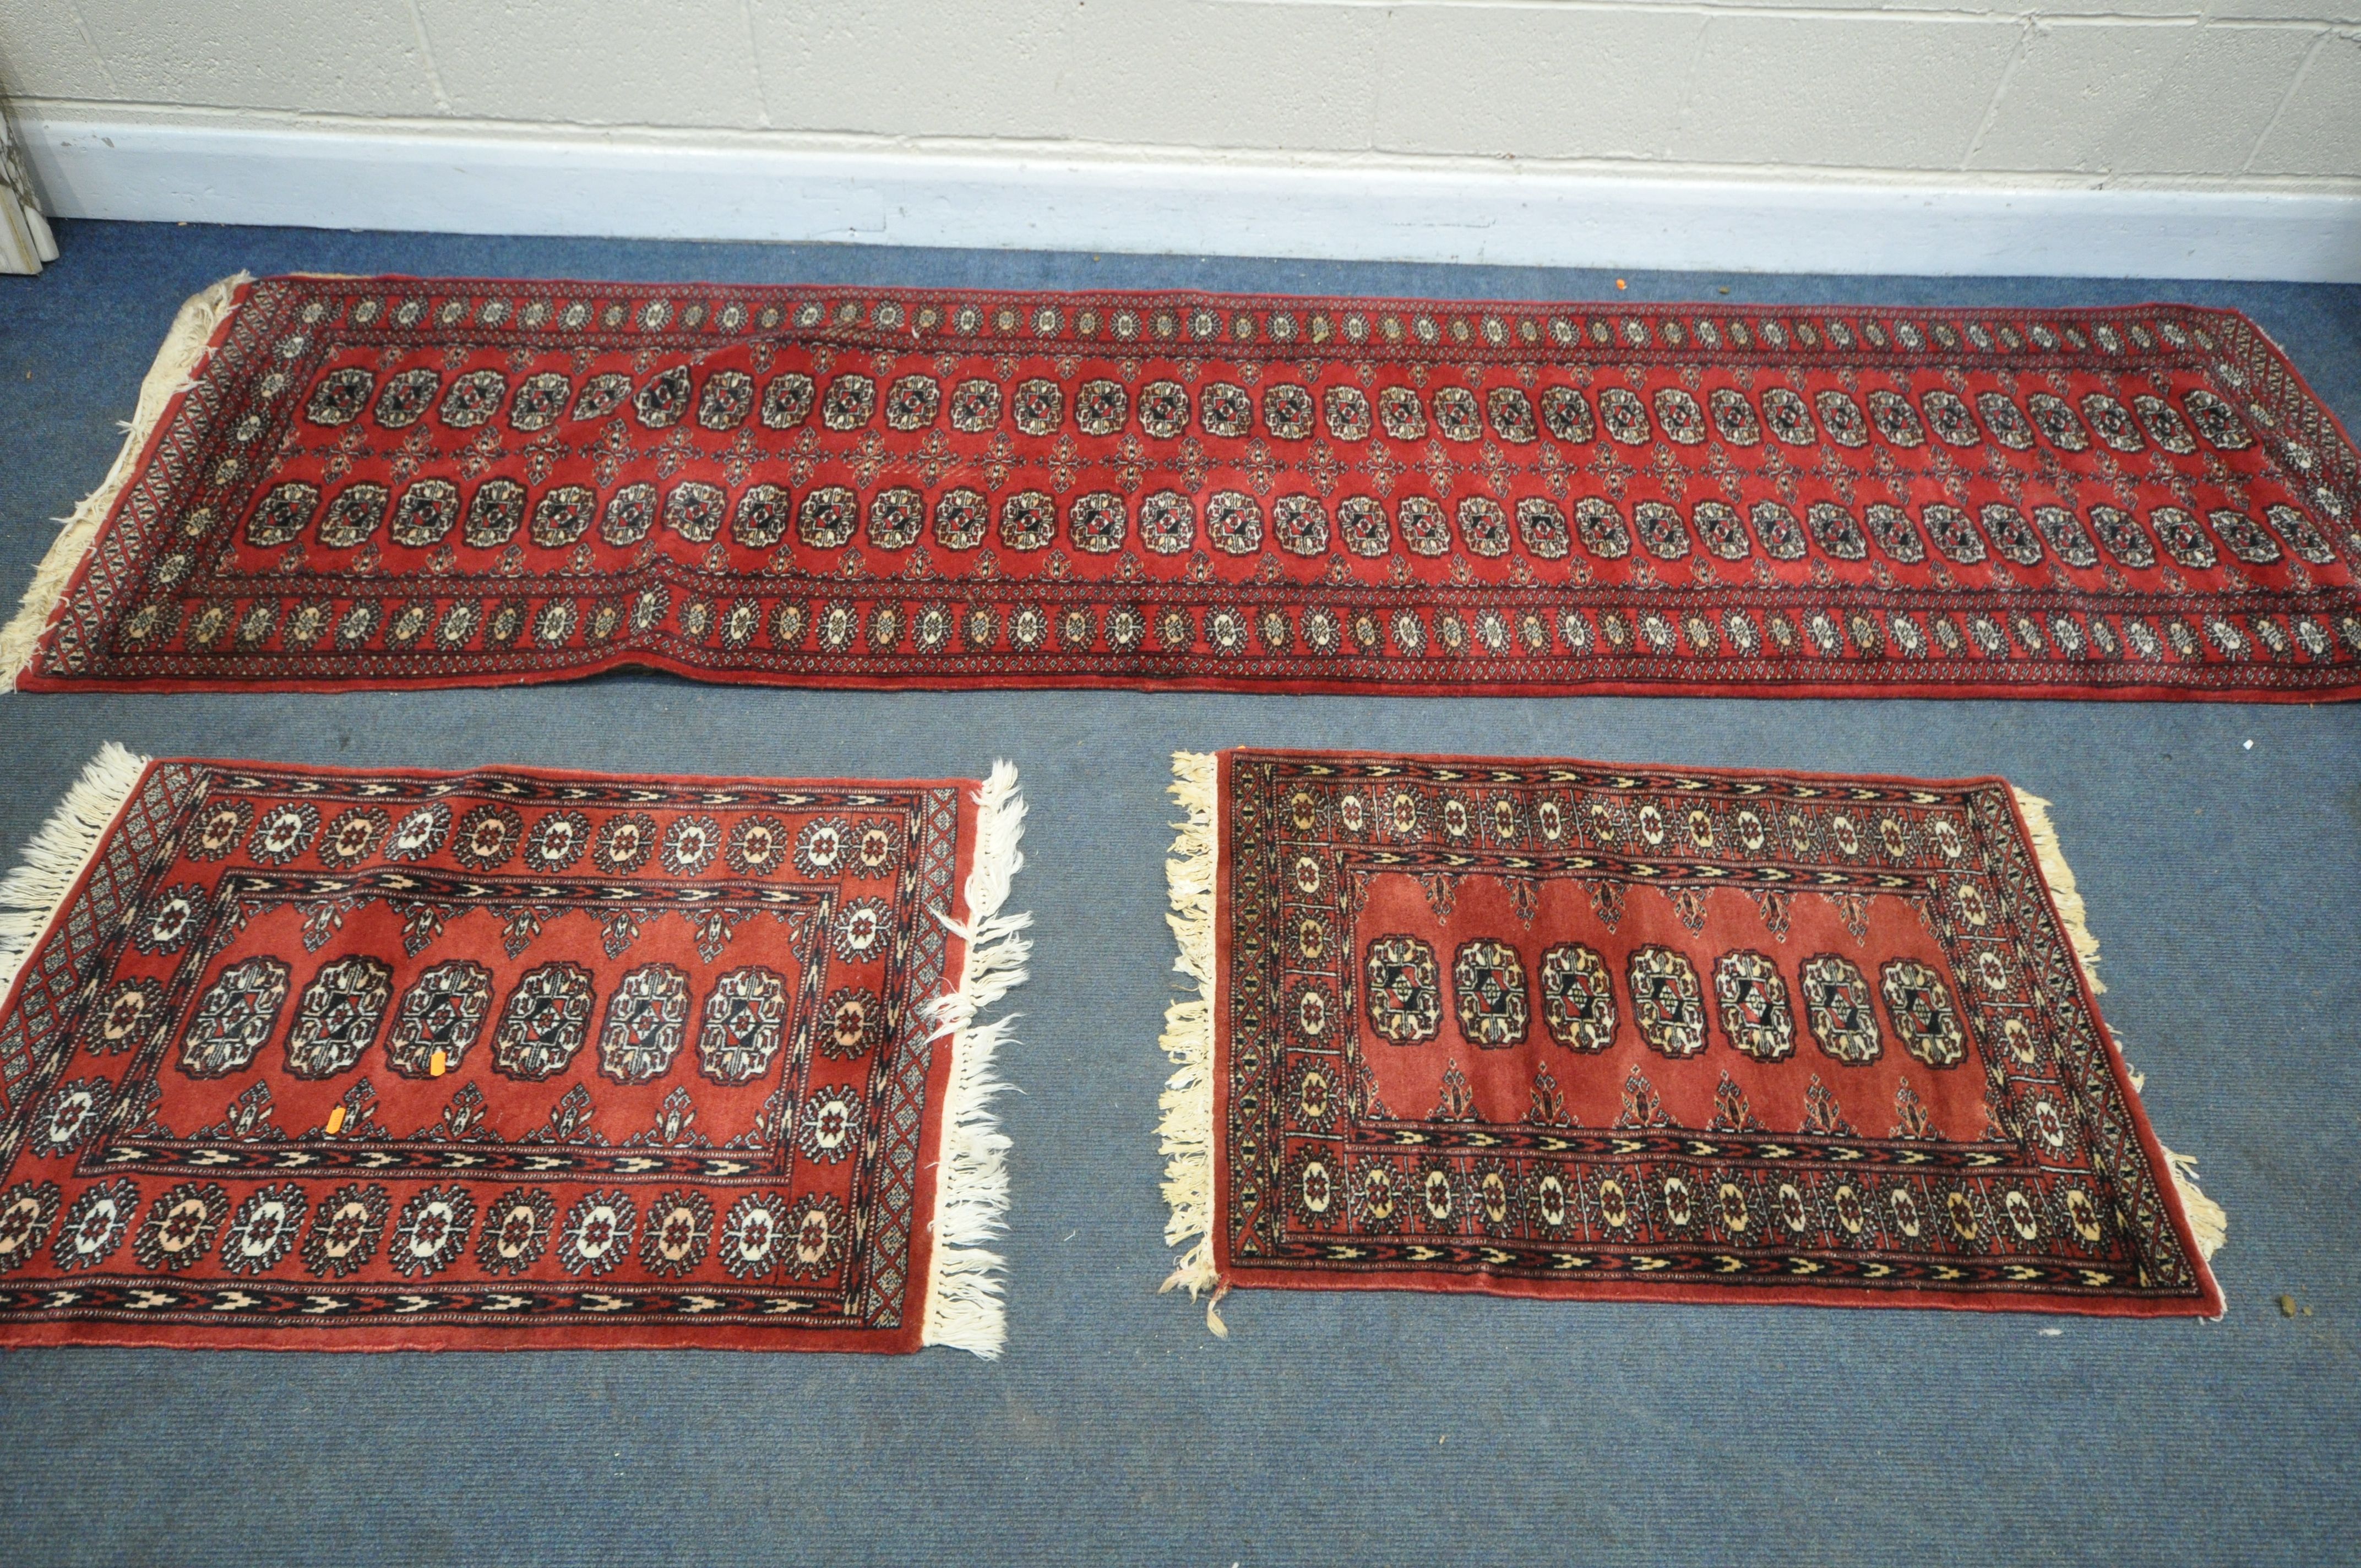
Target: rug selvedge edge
2208, 1224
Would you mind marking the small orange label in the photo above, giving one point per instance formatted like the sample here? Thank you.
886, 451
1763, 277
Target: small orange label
438, 1064
335, 1121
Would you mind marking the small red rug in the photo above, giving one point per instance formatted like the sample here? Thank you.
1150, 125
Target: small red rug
305, 1058
342, 483
1560, 1029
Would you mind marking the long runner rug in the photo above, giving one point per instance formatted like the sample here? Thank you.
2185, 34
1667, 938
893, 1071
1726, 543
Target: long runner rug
1568, 1030
339, 483
318, 1060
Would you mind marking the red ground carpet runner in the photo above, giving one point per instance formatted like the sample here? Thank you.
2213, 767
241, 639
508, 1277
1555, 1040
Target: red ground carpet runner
394, 482
307, 1058
1558, 1029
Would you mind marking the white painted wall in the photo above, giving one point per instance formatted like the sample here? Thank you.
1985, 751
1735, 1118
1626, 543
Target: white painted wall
2098, 108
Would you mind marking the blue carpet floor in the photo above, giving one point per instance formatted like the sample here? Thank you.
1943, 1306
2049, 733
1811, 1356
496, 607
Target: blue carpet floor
2220, 848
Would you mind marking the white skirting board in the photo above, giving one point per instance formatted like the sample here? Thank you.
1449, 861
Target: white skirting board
216, 168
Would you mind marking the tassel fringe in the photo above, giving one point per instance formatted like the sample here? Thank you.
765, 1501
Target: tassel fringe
2208, 1224
964, 1308
31, 894
1187, 1129
174, 371
2060, 878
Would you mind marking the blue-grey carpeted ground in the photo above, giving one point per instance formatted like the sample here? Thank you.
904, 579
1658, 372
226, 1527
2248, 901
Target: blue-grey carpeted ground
2220, 848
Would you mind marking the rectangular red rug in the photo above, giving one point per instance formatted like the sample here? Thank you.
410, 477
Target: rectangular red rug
1571, 1030
347, 483
308, 1059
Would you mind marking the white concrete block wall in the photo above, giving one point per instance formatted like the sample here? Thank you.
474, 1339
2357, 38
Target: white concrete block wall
2251, 98
2191, 89
2137, 97
2318, 131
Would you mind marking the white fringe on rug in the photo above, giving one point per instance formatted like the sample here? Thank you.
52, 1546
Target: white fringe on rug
2060, 878
963, 1307
2208, 1224
174, 369
31, 894
1187, 1128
